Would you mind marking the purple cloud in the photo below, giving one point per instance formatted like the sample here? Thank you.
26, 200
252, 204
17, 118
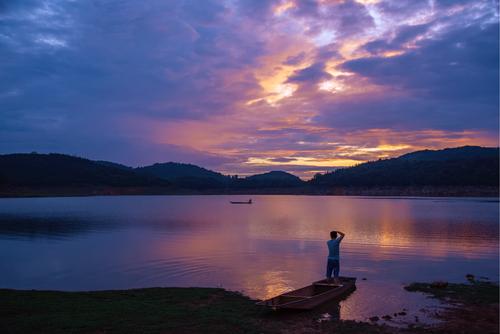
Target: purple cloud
216, 83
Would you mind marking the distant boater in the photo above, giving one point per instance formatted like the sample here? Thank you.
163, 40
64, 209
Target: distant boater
333, 262
239, 202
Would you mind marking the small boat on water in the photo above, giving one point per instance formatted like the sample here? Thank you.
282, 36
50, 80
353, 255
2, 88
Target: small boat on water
239, 202
312, 295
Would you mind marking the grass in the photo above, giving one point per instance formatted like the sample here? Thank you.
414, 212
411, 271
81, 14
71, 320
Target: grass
206, 310
475, 306
477, 292
155, 310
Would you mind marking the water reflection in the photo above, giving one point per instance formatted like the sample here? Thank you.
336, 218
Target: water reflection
58, 227
275, 245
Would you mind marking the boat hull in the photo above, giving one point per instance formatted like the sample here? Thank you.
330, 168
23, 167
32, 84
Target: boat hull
311, 296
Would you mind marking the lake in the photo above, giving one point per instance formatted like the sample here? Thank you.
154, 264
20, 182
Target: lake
276, 244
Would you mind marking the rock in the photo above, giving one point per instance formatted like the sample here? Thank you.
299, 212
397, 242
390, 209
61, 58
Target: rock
395, 314
439, 284
387, 317
364, 278
374, 319
325, 317
402, 313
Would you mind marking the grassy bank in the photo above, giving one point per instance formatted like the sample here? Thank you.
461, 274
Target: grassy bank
475, 293
471, 308
155, 310
203, 310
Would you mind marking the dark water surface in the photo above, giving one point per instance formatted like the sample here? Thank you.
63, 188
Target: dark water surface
276, 244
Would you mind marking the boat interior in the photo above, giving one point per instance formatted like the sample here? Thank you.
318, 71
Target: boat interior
304, 293
308, 292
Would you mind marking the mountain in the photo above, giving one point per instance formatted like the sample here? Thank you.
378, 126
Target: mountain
194, 177
462, 166
470, 170
59, 170
114, 164
186, 175
173, 170
273, 179
448, 154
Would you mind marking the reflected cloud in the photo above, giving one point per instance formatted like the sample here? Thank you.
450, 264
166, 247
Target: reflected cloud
275, 245
30, 227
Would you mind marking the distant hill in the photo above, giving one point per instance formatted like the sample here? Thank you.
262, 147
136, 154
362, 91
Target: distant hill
194, 177
59, 170
114, 164
173, 170
274, 179
186, 175
462, 166
462, 171
449, 154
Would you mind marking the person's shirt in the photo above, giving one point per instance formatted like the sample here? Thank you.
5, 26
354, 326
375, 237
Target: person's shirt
333, 248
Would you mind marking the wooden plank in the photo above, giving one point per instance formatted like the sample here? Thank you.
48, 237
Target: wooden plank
313, 300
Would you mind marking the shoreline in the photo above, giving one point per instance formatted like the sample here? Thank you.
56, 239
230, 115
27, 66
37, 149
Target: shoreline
471, 307
424, 191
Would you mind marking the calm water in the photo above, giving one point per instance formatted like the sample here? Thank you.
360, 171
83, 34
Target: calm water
264, 249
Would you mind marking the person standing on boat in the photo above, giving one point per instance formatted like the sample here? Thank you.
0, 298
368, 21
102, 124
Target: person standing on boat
333, 262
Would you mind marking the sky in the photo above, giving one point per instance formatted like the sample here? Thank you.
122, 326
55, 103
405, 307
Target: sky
243, 86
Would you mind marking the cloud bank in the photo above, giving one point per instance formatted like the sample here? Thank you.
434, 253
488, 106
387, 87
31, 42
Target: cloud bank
245, 86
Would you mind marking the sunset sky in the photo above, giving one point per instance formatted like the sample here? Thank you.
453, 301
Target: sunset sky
247, 86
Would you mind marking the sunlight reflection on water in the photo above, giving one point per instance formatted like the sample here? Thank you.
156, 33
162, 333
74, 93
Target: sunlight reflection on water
275, 245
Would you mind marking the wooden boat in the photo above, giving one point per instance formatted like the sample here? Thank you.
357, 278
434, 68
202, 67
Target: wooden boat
312, 295
245, 202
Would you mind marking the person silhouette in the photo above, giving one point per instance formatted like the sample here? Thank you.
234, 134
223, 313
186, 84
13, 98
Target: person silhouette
333, 260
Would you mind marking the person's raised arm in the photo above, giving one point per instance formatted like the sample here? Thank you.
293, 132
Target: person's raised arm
342, 235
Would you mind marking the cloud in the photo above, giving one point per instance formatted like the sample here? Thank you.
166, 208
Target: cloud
462, 64
405, 34
313, 73
217, 83
446, 82
295, 59
154, 59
